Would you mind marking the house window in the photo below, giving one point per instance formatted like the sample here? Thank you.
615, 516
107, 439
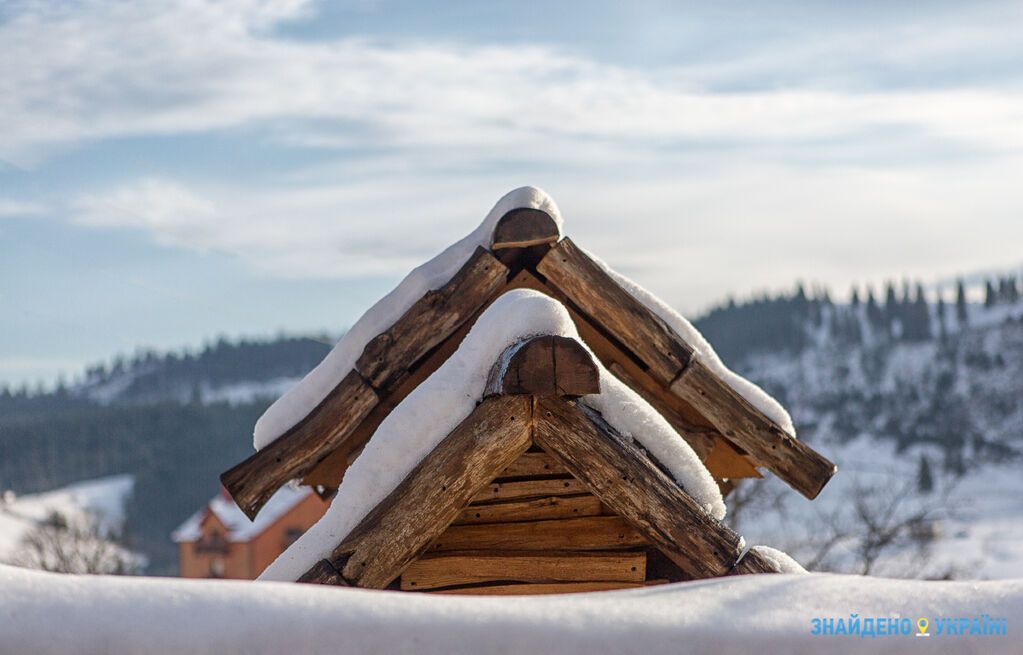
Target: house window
291, 535
214, 542
216, 568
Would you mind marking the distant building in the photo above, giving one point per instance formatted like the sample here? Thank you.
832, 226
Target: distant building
219, 541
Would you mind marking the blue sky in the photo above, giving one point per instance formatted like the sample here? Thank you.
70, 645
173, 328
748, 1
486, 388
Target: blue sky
172, 171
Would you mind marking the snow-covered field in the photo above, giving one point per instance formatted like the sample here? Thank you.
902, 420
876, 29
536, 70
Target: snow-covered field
100, 501
763, 613
976, 519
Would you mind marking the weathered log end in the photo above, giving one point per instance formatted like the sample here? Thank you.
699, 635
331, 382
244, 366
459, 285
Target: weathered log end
254, 481
804, 469
753, 562
547, 365
523, 228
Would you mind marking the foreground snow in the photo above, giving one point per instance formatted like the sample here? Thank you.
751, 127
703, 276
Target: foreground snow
765, 613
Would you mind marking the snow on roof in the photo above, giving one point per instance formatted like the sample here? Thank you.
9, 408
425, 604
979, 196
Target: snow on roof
750, 613
434, 408
301, 399
239, 527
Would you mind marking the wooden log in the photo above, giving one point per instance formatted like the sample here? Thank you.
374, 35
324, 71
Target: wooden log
592, 533
433, 571
252, 482
554, 507
547, 365
627, 481
671, 363
538, 588
402, 526
529, 489
522, 228
323, 572
533, 465
589, 287
431, 319
753, 562
697, 432
804, 469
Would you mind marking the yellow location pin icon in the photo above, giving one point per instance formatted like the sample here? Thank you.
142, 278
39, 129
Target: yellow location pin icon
923, 624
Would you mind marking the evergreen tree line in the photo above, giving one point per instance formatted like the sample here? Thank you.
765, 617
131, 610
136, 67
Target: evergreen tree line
785, 321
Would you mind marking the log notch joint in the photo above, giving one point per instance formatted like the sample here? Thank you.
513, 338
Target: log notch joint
547, 365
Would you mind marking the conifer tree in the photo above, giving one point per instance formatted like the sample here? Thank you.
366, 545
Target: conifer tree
924, 476
962, 316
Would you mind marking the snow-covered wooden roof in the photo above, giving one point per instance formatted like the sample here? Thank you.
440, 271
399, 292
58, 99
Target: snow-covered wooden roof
312, 432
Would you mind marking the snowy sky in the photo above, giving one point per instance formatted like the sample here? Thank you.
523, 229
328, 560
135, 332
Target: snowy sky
174, 170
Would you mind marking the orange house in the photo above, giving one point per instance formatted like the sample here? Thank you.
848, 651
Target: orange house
219, 541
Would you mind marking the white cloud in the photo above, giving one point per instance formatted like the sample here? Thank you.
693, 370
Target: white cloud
79, 71
738, 189
11, 208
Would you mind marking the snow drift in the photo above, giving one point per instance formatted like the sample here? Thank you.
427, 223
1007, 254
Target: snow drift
754, 613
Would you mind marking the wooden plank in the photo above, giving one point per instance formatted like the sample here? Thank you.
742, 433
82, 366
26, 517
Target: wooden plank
804, 469
529, 489
252, 482
543, 366
625, 479
725, 463
591, 533
524, 227
433, 571
402, 526
589, 287
431, 319
533, 465
539, 588
556, 507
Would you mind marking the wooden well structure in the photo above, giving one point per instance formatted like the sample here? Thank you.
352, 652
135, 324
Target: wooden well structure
534, 492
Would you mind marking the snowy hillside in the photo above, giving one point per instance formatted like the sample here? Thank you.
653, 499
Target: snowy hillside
91, 512
927, 433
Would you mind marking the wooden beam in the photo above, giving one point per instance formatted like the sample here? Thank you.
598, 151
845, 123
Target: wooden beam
589, 287
533, 465
539, 588
402, 526
753, 562
592, 533
433, 571
554, 507
529, 489
523, 228
671, 361
431, 319
252, 482
803, 468
627, 481
546, 365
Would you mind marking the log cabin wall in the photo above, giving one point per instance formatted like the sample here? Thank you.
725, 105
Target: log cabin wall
536, 530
